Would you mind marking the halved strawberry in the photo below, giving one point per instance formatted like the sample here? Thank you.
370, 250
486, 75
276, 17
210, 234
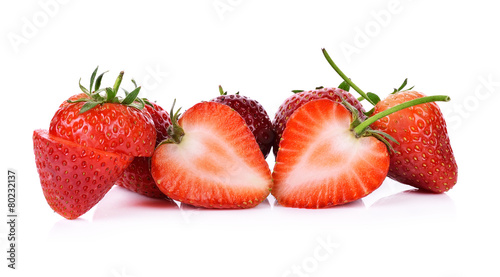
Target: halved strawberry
321, 162
295, 101
212, 160
74, 178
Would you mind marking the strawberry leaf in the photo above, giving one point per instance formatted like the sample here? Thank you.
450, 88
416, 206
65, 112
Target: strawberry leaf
110, 95
98, 81
146, 101
403, 85
131, 97
221, 91
86, 91
118, 82
345, 86
88, 105
133, 82
401, 88
92, 78
373, 97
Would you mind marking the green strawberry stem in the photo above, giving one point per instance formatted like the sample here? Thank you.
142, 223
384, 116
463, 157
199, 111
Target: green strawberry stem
360, 129
346, 79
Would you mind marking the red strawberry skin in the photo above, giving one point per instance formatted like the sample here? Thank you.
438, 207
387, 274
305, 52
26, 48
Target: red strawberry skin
321, 163
161, 120
297, 100
74, 98
74, 178
137, 177
218, 163
255, 117
108, 127
424, 157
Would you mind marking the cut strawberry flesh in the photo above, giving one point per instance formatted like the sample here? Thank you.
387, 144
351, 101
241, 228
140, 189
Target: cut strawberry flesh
218, 163
321, 163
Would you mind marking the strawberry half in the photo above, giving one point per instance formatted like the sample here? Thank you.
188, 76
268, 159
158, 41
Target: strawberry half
212, 160
423, 158
73, 177
295, 101
321, 162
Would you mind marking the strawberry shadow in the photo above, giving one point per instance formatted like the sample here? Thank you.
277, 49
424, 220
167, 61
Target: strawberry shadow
413, 204
121, 203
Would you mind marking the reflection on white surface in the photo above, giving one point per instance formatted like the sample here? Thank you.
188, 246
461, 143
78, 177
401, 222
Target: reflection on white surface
125, 204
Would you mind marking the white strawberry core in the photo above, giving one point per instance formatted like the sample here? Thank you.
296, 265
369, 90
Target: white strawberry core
205, 155
334, 154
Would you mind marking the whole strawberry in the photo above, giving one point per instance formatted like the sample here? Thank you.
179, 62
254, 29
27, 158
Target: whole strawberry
137, 177
295, 101
255, 117
423, 158
107, 122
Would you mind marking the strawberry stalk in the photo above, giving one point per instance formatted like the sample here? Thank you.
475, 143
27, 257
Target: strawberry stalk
346, 79
363, 126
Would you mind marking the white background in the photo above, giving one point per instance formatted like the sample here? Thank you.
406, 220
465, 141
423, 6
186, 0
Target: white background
264, 49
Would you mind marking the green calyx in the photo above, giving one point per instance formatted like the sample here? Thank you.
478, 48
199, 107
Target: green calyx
174, 131
402, 87
98, 96
222, 92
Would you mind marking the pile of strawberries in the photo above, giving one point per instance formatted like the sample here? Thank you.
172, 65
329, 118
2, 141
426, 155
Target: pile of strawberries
328, 149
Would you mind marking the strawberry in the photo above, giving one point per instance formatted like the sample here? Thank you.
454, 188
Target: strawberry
211, 160
295, 101
91, 141
161, 120
73, 177
321, 162
255, 117
137, 177
422, 155
106, 122
423, 158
